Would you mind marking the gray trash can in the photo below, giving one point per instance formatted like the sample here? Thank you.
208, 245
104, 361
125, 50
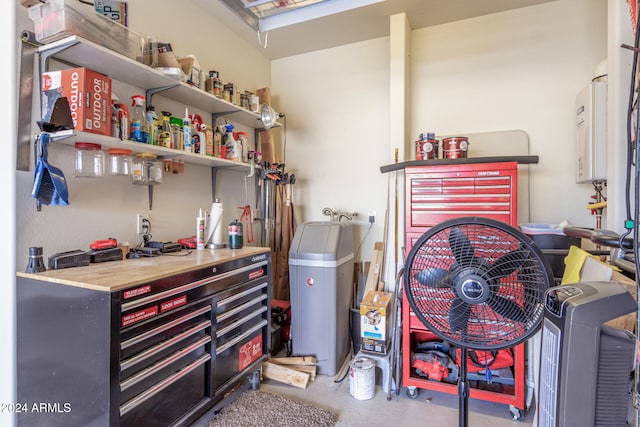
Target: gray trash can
321, 288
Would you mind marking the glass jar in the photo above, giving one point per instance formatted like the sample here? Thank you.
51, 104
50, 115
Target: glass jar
147, 169
89, 160
120, 162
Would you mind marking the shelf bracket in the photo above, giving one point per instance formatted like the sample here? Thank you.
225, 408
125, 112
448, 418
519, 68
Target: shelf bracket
150, 92
216, 116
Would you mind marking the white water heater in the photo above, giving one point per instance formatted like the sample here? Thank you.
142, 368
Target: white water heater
591, 122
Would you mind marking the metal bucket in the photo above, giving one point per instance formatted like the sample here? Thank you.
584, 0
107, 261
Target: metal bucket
455, 147
362, 378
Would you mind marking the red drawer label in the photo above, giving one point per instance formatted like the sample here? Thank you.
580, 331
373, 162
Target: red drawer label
170, 305
256, 274
249, 352
136, 292
138, 316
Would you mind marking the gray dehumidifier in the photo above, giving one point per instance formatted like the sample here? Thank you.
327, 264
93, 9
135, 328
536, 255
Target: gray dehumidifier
321, 276
586, 366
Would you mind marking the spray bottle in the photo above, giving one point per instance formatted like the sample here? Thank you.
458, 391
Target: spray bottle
139, 127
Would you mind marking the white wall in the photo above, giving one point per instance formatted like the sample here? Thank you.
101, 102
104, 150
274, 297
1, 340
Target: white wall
336, 102
8, 92
519, 69
101, 208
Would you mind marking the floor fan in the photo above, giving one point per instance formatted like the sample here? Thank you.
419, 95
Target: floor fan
477, 284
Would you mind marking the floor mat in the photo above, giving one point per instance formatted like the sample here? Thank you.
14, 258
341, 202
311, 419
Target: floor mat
255, 408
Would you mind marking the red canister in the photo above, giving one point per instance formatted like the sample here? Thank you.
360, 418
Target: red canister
420, 149
455, 147
431, 149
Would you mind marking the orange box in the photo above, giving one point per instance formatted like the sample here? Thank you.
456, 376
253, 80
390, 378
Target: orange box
89, 96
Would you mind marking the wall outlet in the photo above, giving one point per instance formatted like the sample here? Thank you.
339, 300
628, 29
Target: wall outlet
372, 217
142, 223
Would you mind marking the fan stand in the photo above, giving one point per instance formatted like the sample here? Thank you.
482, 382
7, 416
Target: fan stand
463, 391
489, 274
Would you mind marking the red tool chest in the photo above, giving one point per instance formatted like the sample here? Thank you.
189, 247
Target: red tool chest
434, 194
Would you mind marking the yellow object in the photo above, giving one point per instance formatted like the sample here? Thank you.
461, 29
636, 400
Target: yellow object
573, 264
598, 205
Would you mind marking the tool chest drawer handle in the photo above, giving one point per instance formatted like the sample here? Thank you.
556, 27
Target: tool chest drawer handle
162, 328
239, 295
226, 314
163, 364
134, 360
188, 287
239, 338
149, 393
231, 326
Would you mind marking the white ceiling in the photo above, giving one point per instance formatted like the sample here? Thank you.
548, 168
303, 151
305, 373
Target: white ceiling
360, 24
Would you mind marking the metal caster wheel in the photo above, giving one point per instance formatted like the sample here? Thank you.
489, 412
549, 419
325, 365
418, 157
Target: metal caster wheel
412, 392
254, 380
516, 413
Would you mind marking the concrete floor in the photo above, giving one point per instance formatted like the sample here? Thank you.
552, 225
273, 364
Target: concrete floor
429, 408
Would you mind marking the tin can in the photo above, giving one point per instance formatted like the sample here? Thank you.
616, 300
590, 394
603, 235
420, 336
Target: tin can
455, 147
235, 234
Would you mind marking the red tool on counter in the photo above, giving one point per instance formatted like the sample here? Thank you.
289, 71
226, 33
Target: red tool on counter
104, 244
188, 242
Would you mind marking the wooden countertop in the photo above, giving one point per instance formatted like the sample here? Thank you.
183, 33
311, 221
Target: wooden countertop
116, 275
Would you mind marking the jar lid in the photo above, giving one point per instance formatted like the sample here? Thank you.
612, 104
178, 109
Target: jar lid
88, 146
119, 152
147, 156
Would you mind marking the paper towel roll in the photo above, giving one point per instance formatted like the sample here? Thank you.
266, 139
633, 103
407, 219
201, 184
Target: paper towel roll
214, 230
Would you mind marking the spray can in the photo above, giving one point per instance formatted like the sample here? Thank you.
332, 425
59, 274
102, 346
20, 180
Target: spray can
235, 234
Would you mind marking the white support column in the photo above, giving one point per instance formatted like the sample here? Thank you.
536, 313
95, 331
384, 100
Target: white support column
399, 116
619, 64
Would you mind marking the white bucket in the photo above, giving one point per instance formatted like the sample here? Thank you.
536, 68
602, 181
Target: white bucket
362, 378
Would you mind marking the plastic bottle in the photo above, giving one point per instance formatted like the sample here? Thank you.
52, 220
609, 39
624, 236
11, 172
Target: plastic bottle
201, 147
152, 119
186, 129
139, 127
200, 231
165, 136
217, 142
230, 143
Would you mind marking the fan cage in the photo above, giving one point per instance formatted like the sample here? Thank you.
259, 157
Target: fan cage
498, 263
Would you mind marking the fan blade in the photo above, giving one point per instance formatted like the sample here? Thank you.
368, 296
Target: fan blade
432, 277
509, 262
507, 308
459, 315
461, 247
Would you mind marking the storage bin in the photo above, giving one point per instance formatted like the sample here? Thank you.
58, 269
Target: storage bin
58, 19
551, 238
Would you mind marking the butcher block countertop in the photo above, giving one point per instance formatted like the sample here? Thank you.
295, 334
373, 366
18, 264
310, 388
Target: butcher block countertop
116, 275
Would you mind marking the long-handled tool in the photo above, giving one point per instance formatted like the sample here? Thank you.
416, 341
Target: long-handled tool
395, 368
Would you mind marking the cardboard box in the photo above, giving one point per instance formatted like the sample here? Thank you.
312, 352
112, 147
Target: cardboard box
374, 346
89, 96
113, 9
375, 320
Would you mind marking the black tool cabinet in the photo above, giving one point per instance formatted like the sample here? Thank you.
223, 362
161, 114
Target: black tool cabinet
157, 353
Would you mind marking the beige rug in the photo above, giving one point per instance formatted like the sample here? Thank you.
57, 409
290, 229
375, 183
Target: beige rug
255, 408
